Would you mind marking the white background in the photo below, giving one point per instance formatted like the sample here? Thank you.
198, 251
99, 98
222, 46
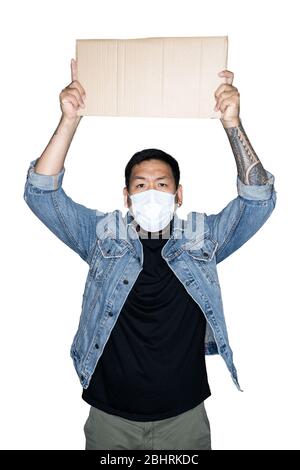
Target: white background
42, 279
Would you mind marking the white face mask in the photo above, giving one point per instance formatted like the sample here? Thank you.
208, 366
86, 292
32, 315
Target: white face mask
153, 209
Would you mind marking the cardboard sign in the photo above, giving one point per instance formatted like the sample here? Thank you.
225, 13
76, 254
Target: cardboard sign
151, 77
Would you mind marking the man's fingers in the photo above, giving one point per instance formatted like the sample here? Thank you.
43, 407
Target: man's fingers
228, 76
74, 72
74, 93
224, 103
76, 85
69, 98
77, 93
224, 97
224, 87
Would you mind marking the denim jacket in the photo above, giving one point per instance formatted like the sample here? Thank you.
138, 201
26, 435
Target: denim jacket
110, 244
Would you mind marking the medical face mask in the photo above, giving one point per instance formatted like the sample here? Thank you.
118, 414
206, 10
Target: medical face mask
153, 209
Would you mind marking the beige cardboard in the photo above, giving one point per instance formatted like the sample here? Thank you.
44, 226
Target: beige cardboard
151, 77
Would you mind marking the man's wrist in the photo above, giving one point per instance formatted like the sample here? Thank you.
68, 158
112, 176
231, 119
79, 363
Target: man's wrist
231, 123
67, 126
70, 122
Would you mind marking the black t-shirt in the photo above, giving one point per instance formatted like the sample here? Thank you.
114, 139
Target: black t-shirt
153, 364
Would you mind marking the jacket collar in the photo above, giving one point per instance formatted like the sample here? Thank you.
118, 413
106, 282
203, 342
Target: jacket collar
116, 225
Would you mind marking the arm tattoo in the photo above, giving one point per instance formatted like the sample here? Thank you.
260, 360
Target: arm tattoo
249, 167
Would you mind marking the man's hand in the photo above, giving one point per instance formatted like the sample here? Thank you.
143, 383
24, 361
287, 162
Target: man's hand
250, 169
72, 96
51, 161
228, 100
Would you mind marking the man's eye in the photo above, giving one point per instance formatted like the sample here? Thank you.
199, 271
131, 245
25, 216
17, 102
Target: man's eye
163, 184
139, 184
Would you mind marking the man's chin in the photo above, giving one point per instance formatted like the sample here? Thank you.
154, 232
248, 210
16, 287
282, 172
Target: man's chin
165, 232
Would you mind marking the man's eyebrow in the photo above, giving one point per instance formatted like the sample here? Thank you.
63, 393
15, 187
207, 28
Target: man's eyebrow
143, 178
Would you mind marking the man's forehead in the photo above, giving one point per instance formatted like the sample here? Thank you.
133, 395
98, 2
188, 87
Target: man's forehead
159, 169
142, 177
153, 162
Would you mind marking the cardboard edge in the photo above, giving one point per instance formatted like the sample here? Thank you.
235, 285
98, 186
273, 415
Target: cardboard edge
218, 114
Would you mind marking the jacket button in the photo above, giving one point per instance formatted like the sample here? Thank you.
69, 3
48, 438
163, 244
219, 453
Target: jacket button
205, 255
111, 314
81, 378
125, 281
97, 346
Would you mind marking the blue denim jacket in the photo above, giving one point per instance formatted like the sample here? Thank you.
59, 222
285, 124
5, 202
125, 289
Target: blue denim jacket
109, 243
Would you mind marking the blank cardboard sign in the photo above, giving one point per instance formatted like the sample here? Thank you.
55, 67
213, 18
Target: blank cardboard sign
151, 77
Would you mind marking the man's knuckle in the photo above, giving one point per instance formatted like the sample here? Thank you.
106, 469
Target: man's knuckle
74, 91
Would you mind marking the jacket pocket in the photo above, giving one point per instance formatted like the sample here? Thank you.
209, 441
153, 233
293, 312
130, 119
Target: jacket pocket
108, 252
203, 249
112, 248
202, 254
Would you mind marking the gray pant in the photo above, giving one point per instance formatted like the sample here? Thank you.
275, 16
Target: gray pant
188, 430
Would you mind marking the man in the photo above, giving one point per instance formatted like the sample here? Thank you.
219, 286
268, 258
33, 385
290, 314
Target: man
152, 304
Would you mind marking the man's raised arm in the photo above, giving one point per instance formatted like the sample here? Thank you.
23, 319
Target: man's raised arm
73, 223
244, 215
71, 98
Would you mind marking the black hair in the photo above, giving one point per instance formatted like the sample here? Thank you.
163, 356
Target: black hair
147, 154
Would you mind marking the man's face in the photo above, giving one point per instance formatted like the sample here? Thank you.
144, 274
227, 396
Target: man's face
152, 174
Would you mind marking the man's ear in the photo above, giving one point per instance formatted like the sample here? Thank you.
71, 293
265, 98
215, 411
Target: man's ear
179, 195
125, 195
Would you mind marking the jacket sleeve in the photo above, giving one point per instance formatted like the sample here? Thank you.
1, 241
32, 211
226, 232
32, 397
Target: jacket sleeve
242, 217
71, 222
